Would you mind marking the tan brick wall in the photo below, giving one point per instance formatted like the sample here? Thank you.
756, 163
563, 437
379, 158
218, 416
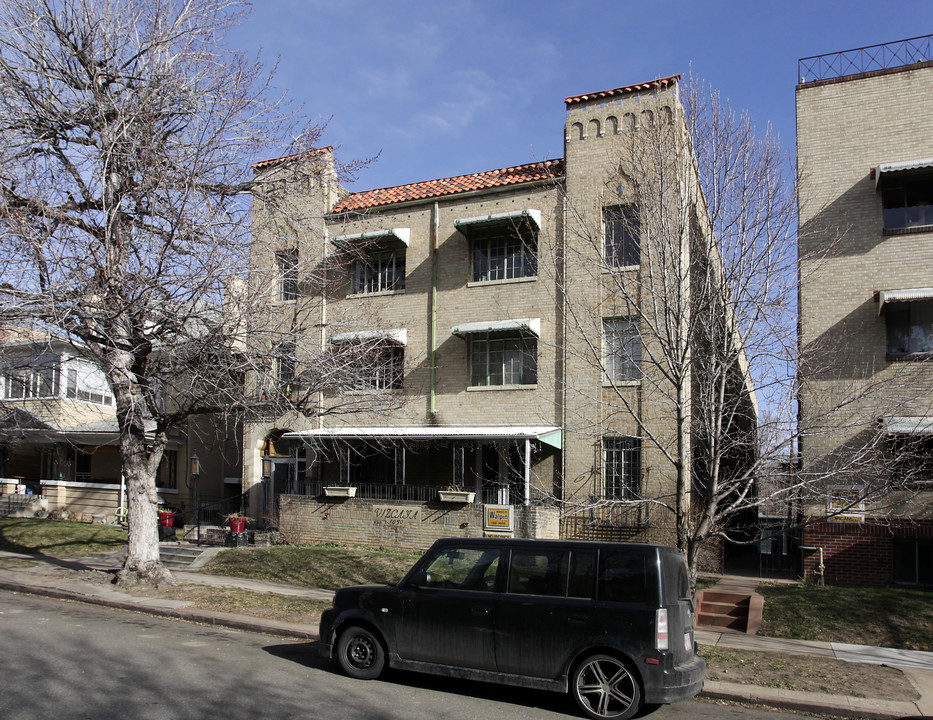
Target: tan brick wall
844, 129
397, 524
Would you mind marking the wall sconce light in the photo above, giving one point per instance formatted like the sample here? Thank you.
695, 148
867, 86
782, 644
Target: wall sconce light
195, 466
266, 467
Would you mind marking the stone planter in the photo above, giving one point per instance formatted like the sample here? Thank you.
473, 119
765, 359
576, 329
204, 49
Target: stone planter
340, 491
456, 496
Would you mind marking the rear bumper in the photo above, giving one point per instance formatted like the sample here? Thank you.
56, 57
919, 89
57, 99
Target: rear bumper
670, 685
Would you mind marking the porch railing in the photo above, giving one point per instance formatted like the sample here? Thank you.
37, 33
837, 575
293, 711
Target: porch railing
491, 495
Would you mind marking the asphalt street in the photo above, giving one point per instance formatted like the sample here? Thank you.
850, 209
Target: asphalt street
68, 660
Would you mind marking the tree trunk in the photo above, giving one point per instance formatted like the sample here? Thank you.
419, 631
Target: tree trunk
140, 464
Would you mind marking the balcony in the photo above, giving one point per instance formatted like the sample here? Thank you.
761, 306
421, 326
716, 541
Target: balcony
869, 59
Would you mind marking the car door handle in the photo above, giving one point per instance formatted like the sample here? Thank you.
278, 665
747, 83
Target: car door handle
577, 618
481, 609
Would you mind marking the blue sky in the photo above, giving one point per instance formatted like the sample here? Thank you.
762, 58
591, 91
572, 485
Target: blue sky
458, 86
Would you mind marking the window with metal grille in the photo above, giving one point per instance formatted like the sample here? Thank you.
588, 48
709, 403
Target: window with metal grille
622, 468
503, 361
379, 272
505, 255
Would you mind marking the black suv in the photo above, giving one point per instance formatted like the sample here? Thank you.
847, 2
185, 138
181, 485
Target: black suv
611, 622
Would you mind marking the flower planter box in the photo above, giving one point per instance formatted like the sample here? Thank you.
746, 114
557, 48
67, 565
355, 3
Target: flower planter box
456, 496
237, 524
340, 491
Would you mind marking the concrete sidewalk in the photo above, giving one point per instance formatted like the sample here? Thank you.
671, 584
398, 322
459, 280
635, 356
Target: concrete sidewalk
66, 579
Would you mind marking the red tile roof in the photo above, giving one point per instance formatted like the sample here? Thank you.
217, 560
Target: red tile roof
660, 83
548, 169
276, 161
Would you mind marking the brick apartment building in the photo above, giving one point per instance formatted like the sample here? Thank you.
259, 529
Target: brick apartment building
488, 301
865, 150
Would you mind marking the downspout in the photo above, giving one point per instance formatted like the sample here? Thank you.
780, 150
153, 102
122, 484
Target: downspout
562, 289
320, 395
527, 471
432, 340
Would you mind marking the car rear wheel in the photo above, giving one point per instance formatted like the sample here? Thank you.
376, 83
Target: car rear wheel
604, 687
360, 653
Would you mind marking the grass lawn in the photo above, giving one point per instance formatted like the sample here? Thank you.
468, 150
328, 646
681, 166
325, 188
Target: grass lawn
886, 617
318, 566
57, 538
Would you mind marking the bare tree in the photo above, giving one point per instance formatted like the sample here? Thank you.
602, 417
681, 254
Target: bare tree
126, 185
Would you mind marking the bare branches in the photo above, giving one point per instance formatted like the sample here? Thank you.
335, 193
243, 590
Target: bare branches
128, 133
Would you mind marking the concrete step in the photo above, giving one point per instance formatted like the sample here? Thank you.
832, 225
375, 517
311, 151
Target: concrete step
178, 557
732, 610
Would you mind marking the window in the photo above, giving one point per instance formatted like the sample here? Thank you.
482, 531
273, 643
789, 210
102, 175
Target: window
622, 468
913, 562
909, 327
623, 237
84, 386
622, 347
505, 361
464, 569
286, 262
167, 476
907, 200
379, 272
386, 367
284, 366
538, 572
25, 383
504, 256
622, 577
376, 362
911, 459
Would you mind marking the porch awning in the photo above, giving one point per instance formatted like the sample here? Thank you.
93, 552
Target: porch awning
893, 167
398, 336
907, 295
922, 425
548, 435
106, 432
402, 235
527, 326
527, 216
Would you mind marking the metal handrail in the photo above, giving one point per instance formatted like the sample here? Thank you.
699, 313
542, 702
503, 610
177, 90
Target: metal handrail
865, 59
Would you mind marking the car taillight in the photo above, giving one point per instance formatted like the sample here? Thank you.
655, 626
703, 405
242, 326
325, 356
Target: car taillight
661, 639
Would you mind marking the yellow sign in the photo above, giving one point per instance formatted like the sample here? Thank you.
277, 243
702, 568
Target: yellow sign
845, 504
498, 517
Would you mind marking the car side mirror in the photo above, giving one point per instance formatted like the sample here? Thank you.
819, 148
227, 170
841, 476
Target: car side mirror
420, 579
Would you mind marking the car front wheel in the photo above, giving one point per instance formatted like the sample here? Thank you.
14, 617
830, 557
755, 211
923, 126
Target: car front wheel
360, 653
604, 687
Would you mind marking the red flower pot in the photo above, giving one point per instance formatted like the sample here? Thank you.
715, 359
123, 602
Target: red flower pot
237, 524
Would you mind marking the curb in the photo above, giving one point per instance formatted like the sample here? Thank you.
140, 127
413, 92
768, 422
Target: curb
838, 705
233, 622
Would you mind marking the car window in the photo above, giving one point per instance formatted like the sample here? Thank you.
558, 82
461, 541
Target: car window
464, 569
582, 578
622, 576
538, 572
